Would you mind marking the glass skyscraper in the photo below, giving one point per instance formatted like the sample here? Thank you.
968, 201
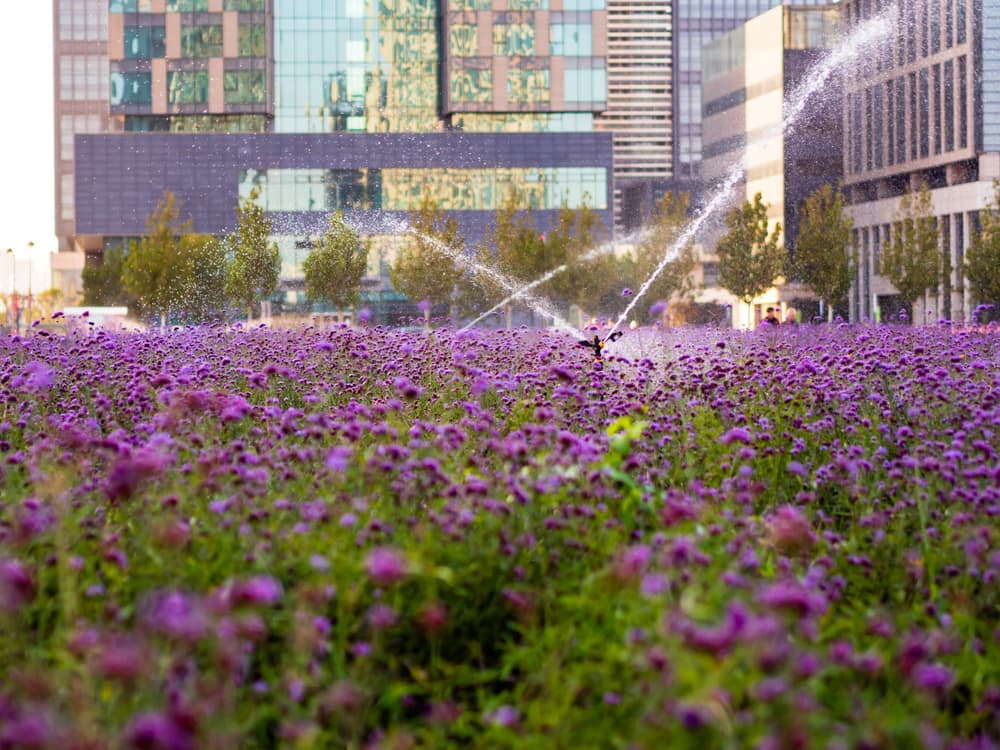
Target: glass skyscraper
696, 23
361, 106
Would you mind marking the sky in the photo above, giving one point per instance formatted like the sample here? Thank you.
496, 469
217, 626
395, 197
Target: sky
27, 197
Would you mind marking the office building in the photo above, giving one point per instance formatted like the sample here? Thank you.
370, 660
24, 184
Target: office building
748, 77
923, 112
330, 105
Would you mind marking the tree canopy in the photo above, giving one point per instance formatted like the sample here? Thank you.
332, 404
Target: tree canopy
911, 259
428, 265
669, 221
982, 259
822, 258
333, 270
255, 261
750, 259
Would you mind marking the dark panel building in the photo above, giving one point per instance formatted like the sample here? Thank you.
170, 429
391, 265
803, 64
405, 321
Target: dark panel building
331, 105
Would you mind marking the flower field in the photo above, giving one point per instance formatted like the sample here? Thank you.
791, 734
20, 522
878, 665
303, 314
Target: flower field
366, 538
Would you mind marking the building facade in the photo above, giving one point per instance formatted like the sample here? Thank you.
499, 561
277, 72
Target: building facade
337, 105
923, 112
748, 76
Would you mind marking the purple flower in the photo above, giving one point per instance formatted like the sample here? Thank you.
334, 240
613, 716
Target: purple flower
385, 566
338, 458
626, 292
736, 435
37, 377
156, 731
382, 617
16, 586
178, 615
934, 678
256, 591
502, 716
793, 597
790, 532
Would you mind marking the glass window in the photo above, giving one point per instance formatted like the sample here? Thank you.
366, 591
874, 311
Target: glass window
187, 87
251, 41
936, 70
528, 86
145, 42
925, 106
128, 6
131, 88
244, 87
876, 124
186, 6
514, 40
963, 125
935, 30
890, 122
571, 39
201, 41
960, 30
244, 5
900, 120
586, 85
472, 84
463, 40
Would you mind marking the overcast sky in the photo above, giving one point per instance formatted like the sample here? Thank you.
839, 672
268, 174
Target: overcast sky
27, 203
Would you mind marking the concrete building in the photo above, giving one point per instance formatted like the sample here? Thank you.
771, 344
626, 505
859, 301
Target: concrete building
746, 76
327, 105
923, 112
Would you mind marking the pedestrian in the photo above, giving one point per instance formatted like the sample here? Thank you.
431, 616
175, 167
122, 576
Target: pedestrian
791, 317
770, 319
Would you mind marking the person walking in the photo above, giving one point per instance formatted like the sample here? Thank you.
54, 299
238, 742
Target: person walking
770, 319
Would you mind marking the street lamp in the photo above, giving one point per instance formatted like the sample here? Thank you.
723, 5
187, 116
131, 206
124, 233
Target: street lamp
31, 262
13, 287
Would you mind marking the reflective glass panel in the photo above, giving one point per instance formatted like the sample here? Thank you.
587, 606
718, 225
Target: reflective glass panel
251, 41
201, 41
131, 88
187, 87
244, 87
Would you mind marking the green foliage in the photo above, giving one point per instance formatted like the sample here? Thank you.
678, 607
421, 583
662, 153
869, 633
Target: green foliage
333, 271
982, 259
911, 260
427, 266
103, 285
750, 259
206, 263
155, 271
669, 220
256, 261
587, 277
172, 271
822, 255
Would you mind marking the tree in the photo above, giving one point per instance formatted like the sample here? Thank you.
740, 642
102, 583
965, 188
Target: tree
578, 241
253, 272
103, 285
982, 259
750, 260
822, 259
333, 271
669, 221
155, 272
513, 247
428, 266
204, 291
911, 260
